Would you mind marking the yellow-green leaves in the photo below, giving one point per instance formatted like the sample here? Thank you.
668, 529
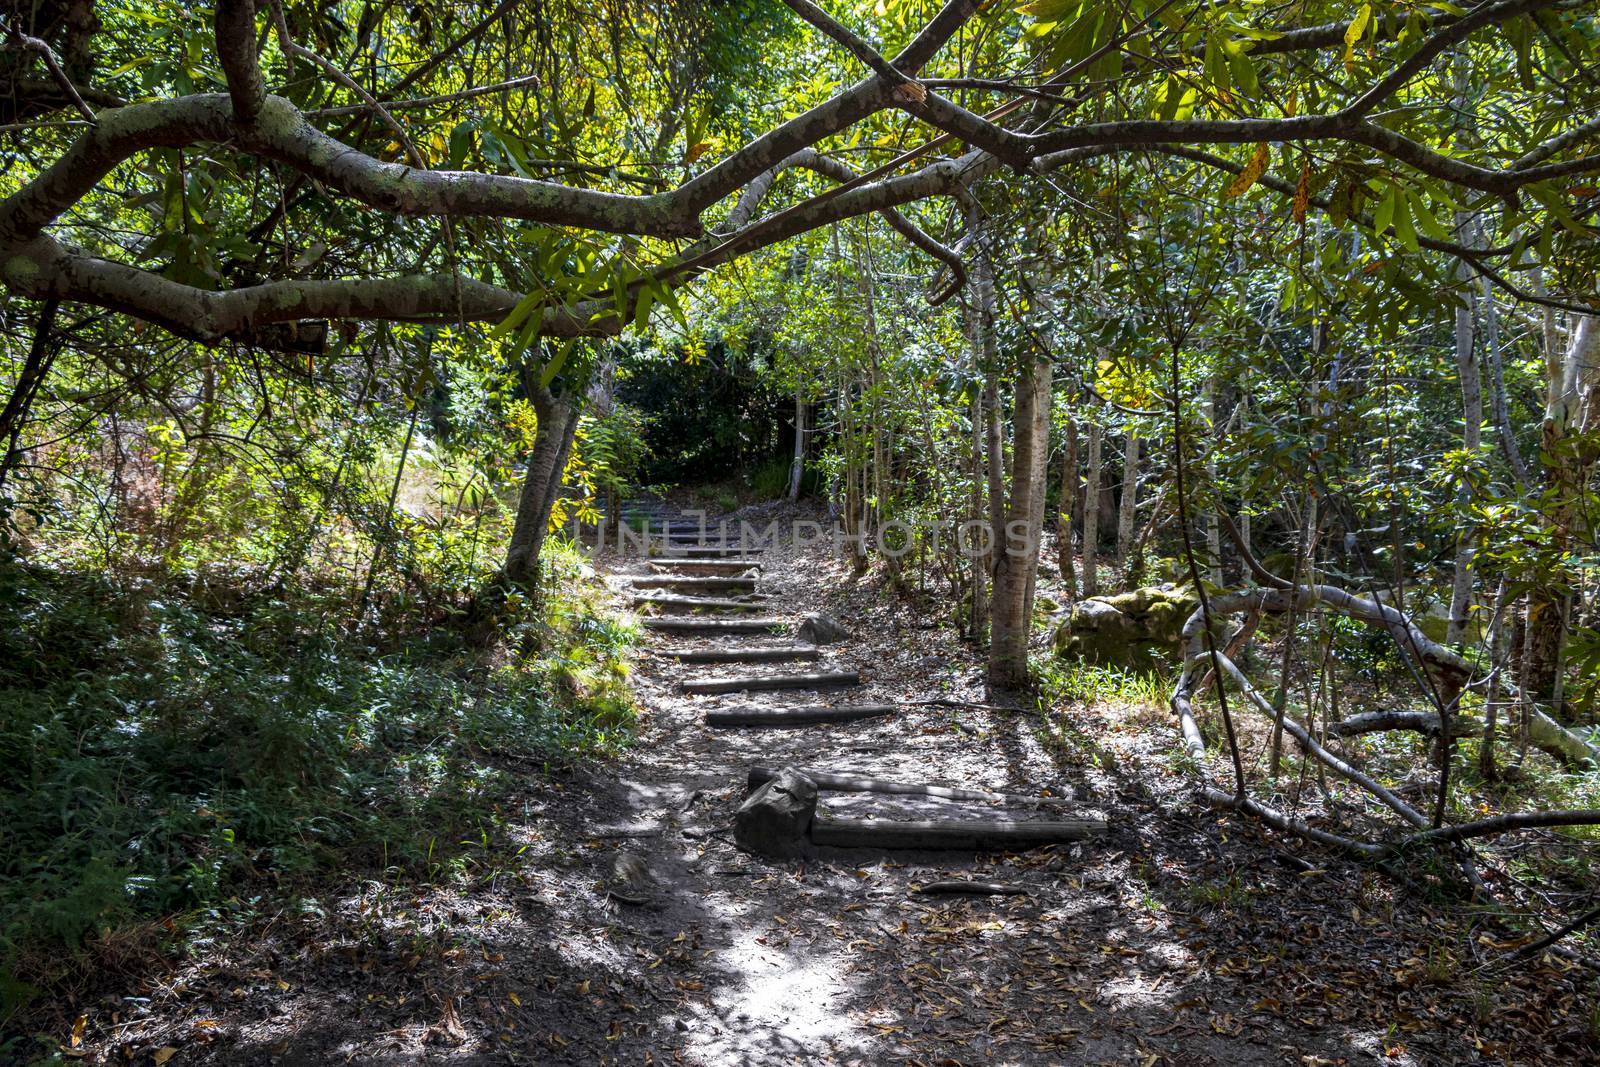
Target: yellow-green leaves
1352, 35
1252, 172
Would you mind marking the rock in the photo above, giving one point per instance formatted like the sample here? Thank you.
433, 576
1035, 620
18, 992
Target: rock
630, 880
775, 820
1140, 629
822, 630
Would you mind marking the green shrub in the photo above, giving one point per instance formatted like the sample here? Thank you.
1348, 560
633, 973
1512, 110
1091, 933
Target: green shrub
161, 759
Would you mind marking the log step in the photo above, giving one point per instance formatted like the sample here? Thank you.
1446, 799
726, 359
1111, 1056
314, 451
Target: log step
689, 583
689, 624
744, 655
963, 834
773, 681
705, 566
850, 783
805, 715
693, 551
667, 602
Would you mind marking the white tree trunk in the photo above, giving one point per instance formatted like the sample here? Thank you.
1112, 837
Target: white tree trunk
1091, 514
798, 467
1127, 508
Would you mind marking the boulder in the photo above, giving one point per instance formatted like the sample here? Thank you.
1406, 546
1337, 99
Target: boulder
775, 819
1139, 629
822, 630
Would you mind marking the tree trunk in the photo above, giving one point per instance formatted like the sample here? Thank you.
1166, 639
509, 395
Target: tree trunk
1069, 506
1570, 383
1127, 507
1208, 521
541, 486
1017, 558
1091, 514
798, 466
34, 370
1471, 440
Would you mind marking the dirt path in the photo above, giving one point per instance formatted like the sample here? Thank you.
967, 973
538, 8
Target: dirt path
1179, 938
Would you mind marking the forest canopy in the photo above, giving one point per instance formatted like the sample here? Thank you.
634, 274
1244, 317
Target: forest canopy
335, 331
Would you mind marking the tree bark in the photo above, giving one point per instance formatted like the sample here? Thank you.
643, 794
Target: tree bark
1017, 558
1127, 506
1571, 379
1069, 508
1471, 438
34, 370
798, 466
1091, 514
541, 486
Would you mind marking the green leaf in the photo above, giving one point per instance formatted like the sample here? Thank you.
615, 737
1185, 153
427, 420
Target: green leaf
1383, 217
557, 361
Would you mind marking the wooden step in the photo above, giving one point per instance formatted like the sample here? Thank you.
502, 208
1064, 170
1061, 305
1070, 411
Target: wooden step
803, 715
963, 834
690, 624
690, 583
704, 551
667, 602
762, 683
851, 783
744, 655
705, 566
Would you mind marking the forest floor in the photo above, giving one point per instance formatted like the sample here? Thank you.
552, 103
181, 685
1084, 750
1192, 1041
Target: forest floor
1181, 937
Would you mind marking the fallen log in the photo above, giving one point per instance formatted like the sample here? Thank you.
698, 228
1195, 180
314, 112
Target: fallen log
774, 681
850, 783
743, 655
976, 889
960, 834
803, 715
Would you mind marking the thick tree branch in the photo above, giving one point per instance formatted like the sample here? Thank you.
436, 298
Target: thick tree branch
236, 51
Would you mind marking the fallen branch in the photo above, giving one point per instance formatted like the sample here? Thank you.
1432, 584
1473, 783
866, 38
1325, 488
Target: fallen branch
1310, 745
1519, 820
1422, 722
1290, 825
976, 889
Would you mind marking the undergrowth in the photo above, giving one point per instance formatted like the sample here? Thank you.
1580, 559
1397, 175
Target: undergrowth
163, 759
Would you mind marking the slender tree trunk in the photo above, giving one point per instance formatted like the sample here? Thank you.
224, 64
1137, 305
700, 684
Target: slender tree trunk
1208, 520
1471, 440
1244, 476
1069, 507
975, 512
1499, 407
1127, 507
41, 353
798, 466
1016, 557
1572, 377
1091, 513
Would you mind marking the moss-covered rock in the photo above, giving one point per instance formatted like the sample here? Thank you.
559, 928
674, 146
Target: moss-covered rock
1140, 628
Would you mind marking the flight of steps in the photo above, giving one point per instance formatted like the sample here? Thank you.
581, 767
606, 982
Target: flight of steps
703, 600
